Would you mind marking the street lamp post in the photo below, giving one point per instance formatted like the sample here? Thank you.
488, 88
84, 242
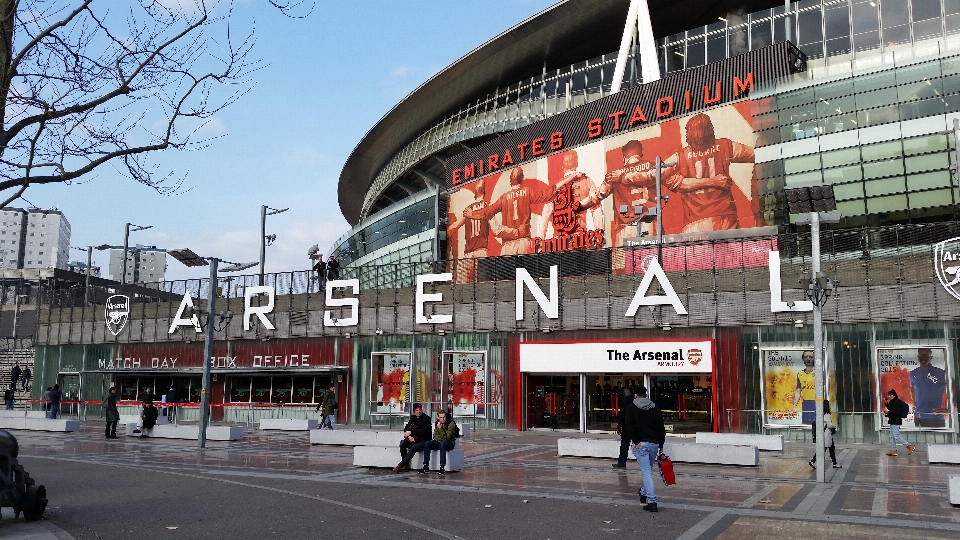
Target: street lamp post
808, 202
126, 242
189, 258
264, 212
86, 286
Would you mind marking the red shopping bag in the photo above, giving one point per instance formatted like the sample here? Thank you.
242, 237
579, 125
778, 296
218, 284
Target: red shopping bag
666, 469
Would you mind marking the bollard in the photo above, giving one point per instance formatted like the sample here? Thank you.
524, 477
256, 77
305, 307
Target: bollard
17, 489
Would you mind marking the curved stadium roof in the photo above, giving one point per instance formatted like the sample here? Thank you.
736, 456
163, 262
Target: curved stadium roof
560, 35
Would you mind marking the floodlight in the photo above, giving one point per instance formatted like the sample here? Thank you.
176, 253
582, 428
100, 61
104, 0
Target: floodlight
236, 267
815, 198
187, 257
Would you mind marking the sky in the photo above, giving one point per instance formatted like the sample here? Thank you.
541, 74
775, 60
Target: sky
329, 78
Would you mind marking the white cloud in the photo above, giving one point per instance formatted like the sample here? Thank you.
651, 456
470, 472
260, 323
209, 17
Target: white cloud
304, 154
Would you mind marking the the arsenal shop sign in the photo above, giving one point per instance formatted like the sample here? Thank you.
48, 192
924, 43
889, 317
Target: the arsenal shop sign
617, 357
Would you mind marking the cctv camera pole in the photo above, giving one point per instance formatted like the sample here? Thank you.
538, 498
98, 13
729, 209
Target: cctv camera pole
208, 352
126, 243
86, 290
263, 239
659, 166
818, 362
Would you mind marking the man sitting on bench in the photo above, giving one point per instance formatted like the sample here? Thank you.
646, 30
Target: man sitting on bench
416, 433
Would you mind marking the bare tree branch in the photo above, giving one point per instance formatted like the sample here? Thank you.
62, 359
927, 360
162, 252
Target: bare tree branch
93, 84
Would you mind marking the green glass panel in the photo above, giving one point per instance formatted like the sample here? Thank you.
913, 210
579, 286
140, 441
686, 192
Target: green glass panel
843, 174
835, 89
793, 99
840, 157
928, 162
923, 89
890, 203
930, 180
801, 164
868, 83
884, 186
917, 72
921, 109
927, 199
883, 150
925, 144
877, 98
844, 192
950, 66
851, 208
951, 85
836, 124
835, 106
879, 169
813, 177
874, 117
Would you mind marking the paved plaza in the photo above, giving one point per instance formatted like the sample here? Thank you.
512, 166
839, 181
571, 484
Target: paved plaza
276, 485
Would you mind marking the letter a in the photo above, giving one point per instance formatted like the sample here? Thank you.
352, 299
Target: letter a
178, 319
669, 297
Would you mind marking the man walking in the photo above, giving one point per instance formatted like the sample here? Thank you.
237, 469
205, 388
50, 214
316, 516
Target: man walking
896, 411
626, 398
55, 396
25, 378
328, 408
644, 426
15, 374
111, 414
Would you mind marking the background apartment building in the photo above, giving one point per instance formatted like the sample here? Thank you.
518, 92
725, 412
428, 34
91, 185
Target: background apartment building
34, 238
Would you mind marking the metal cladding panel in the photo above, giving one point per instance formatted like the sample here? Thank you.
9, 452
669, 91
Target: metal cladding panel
765, 65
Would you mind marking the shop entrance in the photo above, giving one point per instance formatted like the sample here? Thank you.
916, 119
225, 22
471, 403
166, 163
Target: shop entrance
70, 387
604, 396
553, 401
686, 401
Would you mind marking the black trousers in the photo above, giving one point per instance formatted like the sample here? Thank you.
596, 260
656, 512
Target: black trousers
624, 448
111, 430
408, 449
833, 454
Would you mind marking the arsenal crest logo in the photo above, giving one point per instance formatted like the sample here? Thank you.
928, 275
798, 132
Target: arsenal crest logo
946, 264
117, 312
695, 356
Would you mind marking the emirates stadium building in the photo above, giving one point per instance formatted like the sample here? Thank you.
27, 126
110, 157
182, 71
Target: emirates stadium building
747, 206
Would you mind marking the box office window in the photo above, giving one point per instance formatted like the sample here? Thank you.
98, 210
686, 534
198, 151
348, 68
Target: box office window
303, 391
260, 389
282, 390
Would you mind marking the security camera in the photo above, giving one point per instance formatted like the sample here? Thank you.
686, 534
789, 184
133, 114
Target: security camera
791, 304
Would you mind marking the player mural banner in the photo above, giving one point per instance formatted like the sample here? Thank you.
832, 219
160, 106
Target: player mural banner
467, 371
789, 390
391, 382
921, 377
574, 199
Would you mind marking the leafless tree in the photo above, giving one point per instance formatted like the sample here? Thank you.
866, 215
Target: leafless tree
89, 83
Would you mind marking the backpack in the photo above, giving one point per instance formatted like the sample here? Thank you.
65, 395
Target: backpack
456, 431
904, 409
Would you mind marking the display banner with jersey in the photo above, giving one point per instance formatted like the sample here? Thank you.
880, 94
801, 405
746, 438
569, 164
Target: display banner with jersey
921, 377
582, 179
789, 391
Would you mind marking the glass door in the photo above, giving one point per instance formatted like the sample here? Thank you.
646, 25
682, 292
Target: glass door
686, 401
70, 387
553, 402
604, 399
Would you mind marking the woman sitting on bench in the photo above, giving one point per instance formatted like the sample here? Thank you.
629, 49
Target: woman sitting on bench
445, 433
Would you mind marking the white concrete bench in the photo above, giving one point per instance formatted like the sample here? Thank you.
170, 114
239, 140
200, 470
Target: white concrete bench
40, 424
717, 454
762, 442
953, 488
389, 456
583, 447
20, 413
288, 424
464, 429
356, 437
943, 453
137, 421
189, 431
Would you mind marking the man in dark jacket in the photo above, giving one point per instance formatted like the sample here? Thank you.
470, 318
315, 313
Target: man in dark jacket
15, 374
9, 397
55, 396
111, 414
149, 417
896, 410
644, 426
626, 397
415, 436
320, 267
25, 378
328, 408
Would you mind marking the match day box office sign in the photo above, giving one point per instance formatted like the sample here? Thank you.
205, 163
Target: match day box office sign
277, 355
617, 357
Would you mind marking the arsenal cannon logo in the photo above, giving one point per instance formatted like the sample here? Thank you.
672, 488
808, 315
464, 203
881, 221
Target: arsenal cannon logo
946, 264
117, 312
